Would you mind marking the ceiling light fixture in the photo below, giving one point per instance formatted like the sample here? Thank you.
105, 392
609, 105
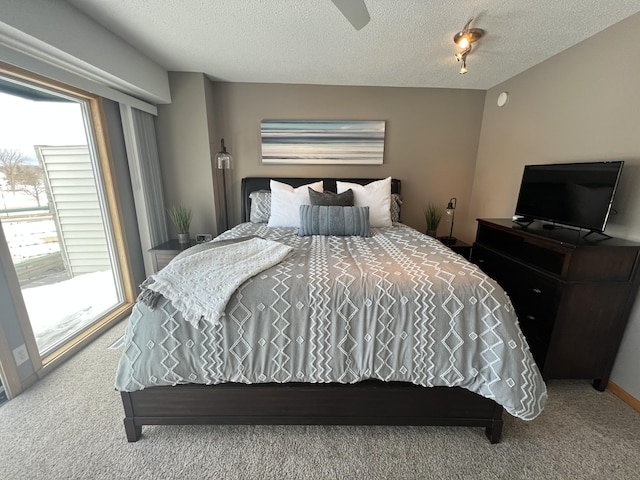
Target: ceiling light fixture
463, 39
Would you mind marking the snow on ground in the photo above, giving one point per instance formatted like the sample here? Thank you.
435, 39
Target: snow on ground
29, 238
59, 310
30, 232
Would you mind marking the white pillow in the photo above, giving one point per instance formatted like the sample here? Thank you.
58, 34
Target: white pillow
375, 195
286, 201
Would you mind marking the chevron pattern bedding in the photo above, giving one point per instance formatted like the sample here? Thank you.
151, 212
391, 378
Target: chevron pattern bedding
396, 306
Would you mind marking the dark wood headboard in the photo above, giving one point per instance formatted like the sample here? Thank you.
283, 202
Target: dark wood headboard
252, 184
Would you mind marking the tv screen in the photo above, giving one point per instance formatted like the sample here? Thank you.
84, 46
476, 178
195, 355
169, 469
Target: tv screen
575, 194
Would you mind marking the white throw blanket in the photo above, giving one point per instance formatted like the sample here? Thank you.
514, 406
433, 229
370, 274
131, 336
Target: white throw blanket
200, 285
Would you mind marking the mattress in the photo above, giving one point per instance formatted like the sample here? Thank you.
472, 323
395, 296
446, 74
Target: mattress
395, 306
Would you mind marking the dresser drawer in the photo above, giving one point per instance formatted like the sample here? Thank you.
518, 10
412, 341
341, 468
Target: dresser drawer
535, 326
534, 301
496, 266
533, 295
531, 292
538, 344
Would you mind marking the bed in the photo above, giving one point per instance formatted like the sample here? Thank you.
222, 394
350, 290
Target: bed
314, 355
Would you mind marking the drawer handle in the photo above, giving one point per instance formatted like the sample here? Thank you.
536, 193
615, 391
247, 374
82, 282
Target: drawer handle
537, 290
481, 260
530, 317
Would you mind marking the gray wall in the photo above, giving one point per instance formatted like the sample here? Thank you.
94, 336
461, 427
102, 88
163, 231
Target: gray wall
581, 105
184, 147
430, 142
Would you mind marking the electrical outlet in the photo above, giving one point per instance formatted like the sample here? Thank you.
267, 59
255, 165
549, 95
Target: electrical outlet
20, 354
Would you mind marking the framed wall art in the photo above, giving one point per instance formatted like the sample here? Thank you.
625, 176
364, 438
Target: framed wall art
318, 142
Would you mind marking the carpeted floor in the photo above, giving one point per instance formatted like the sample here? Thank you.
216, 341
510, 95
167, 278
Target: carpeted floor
69, 425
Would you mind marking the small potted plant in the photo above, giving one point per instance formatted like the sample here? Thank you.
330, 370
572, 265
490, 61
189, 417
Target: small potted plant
181, 218
432, 215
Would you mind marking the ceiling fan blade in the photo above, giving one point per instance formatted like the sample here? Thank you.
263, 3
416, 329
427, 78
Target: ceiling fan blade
355, 11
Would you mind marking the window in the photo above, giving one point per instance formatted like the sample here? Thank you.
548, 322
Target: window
64, 245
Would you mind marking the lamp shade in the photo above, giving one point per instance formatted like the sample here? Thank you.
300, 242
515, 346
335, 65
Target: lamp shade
449, 217
451, 205
223, 158
223, 162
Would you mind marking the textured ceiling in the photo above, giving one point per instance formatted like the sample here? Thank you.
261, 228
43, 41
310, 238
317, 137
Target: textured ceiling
407, 43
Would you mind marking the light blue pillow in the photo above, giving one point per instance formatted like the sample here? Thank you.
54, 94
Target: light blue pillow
333, 220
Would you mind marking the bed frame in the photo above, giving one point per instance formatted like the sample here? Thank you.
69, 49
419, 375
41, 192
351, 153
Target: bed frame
371, 402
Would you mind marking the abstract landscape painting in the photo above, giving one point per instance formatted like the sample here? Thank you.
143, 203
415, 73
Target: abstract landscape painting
322, 142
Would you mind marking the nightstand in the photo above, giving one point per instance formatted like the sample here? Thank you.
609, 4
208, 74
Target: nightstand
461, 248
167, 251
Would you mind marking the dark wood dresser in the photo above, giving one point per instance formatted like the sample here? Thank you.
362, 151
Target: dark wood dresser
572, 295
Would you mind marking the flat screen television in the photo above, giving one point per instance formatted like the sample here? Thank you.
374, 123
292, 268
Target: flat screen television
574, 194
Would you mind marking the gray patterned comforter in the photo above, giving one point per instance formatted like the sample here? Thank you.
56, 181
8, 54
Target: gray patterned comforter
397, 306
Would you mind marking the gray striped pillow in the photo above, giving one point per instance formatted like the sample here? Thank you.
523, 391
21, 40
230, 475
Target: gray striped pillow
332, 220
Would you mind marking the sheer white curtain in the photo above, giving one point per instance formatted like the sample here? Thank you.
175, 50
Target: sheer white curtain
146, 179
